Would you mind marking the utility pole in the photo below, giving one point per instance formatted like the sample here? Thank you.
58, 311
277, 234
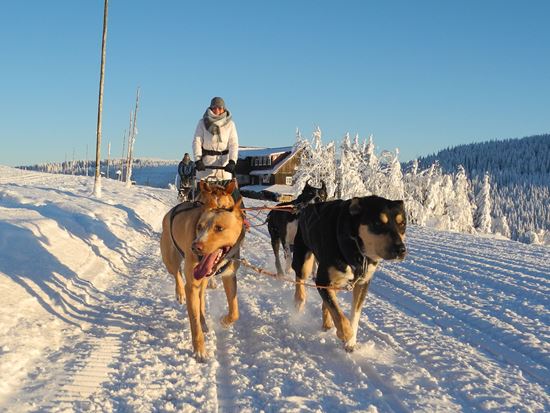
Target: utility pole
97, 180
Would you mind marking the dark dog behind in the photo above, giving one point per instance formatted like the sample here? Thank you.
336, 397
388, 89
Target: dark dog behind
348, 239
282, 225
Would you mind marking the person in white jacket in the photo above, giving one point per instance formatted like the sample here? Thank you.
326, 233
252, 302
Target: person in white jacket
216, 144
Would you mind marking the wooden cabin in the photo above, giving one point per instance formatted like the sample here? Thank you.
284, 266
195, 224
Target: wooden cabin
262, 169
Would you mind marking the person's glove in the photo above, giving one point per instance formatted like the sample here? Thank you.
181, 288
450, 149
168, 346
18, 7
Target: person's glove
199, 165
230, 167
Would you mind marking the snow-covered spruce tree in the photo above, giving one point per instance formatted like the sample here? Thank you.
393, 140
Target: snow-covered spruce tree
370, 170
349, 179
482, 220
427, 195
459, 205
303, 171
437, 189
327, 171
414, 195
317, 163
501, 227
324, 157
395, 188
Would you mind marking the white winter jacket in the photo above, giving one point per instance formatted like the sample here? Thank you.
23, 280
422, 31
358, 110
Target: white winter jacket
227, 141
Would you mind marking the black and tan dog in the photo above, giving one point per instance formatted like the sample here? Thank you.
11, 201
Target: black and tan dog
348, 239
207, 234
282, 225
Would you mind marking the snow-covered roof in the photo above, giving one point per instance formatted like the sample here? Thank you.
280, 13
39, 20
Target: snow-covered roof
276, 189
260, 172
263, 151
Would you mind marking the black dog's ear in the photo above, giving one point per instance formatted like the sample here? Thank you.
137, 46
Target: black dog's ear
399, 204
355, 206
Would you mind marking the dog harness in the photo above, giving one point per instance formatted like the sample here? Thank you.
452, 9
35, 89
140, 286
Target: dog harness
176, 211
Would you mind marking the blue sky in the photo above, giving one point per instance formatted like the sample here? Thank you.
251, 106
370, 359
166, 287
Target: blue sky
419, 75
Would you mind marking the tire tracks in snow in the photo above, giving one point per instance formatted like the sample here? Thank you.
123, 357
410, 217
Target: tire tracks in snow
449, 314
459, 358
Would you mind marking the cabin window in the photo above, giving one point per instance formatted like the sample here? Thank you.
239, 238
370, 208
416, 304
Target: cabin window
288, 180
265, 179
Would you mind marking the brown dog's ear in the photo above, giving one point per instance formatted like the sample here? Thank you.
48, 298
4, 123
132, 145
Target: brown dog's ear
238, 205
230, 187
236, 209
355, 206
204, 187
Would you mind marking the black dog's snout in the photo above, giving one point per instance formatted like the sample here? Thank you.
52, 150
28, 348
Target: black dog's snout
400, 249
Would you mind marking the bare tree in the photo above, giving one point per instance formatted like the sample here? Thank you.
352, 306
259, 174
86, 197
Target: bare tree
86, 159
97, 180
72, 164
131, 141
129, 138
121, 176
108, 158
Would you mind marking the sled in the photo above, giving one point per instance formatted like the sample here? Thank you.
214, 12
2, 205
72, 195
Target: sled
185, 192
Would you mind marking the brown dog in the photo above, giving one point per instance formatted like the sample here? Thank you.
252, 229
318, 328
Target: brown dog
207, 235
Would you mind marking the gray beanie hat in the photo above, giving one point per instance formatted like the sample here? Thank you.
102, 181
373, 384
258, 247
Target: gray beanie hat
217, 102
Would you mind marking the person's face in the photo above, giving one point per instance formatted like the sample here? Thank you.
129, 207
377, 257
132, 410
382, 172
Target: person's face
217, 111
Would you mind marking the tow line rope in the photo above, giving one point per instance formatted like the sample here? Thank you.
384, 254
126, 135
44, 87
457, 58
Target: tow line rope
287, 208
263, 271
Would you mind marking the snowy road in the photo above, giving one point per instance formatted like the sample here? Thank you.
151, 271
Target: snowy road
89, 321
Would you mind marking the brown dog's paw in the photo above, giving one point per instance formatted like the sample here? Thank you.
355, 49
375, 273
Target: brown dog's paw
180, 298
201, 356
299, 305
349, 345
345, 335
327, 325
227, 321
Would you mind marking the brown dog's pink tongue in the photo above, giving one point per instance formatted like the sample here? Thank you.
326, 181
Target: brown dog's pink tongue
204, 267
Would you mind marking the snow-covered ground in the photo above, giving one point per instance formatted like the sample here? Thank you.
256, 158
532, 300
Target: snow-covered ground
89, 322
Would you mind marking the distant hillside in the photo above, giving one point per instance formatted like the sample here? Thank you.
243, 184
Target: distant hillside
151, 172
519, 171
